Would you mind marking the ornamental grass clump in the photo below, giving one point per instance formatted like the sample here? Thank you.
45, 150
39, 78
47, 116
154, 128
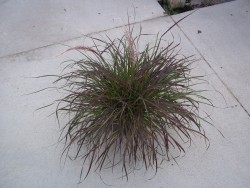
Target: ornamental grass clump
128, 107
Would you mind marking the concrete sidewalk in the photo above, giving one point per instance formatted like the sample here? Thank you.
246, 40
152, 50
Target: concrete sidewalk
29, 24
30, 155
224, 42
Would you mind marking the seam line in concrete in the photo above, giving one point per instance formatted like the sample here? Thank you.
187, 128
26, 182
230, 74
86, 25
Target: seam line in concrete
67, 40
217, 75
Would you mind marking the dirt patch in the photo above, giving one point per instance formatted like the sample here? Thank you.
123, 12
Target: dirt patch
189, 5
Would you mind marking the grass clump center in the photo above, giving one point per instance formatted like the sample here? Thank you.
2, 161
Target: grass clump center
128, 107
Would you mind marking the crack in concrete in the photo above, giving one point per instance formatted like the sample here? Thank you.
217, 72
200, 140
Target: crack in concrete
74, 38
210, 66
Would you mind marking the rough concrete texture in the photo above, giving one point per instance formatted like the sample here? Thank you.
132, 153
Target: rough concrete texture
30, 155
224, 41
29, 24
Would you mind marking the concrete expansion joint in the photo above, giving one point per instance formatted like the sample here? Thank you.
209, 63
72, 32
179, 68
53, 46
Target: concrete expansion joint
77, 37
217, 75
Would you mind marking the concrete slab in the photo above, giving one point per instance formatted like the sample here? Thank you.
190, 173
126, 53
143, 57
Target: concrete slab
30, 155
29, 24
222, 35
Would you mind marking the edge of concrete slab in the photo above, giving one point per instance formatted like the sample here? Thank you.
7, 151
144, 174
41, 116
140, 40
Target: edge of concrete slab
27, 25
186, 30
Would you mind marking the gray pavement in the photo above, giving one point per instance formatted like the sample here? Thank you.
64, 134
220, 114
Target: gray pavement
30, 155
29, 24
224, 42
